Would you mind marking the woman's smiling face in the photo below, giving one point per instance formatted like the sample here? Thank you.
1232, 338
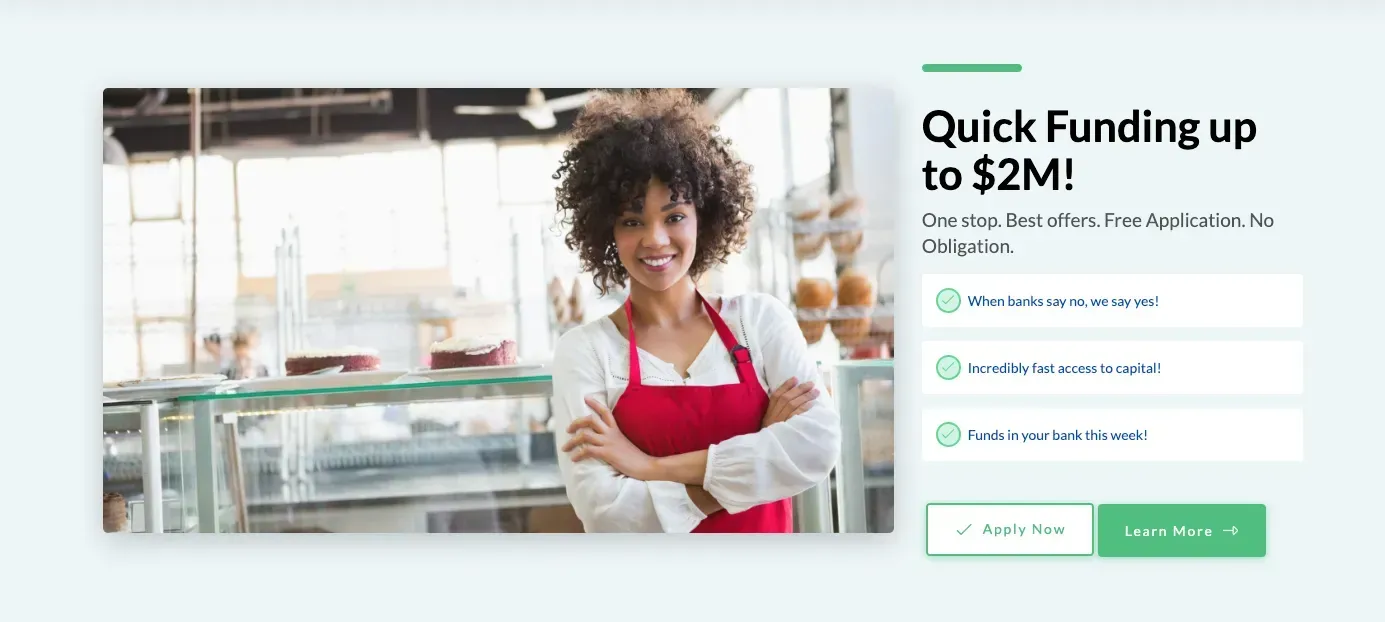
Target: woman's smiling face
657, 239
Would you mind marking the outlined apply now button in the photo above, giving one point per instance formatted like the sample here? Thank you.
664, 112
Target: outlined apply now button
1006, 529
1181, 530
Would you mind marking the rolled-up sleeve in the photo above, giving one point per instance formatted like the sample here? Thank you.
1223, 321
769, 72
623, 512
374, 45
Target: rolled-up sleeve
789, 457
604, 499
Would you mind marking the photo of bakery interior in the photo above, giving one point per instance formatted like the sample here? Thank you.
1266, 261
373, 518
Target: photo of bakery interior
333, 310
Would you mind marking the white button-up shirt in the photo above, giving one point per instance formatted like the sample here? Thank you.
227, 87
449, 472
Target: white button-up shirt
774, 463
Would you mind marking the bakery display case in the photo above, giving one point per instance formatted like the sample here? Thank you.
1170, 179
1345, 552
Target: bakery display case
416, 455
472, 453
864, 479
411, 454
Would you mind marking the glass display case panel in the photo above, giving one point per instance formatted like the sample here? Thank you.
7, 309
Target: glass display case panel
179, 476
877, 453
864, 480
125, 441
423, 457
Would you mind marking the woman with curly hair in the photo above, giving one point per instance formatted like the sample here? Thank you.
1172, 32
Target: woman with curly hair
663, 411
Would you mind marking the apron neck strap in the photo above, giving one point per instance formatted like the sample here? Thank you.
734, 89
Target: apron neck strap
728, 338
630, 339
738, 353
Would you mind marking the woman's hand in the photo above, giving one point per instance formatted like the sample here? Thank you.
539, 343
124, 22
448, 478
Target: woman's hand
598, 436
788, 400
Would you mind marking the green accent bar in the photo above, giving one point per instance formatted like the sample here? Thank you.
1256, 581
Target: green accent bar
972, 68
1181, 530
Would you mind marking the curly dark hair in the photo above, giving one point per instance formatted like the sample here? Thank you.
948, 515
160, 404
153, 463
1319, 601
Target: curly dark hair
620, 142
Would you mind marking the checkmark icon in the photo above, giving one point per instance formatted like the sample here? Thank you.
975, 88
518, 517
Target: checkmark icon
948, 367
948, 300
948, 434
963, 531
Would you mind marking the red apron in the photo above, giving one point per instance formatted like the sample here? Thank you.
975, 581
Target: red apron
667, 421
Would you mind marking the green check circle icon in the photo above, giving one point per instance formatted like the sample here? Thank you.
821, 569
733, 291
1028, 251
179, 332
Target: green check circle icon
949, 301
948, 367
948, 434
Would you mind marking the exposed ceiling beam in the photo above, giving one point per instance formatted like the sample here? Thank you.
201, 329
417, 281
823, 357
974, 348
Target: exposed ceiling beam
242, 109
721, 99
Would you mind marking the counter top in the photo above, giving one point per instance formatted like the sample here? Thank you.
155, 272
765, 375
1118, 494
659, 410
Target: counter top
504, 485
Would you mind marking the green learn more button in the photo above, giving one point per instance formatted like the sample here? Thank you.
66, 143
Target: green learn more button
1181, 530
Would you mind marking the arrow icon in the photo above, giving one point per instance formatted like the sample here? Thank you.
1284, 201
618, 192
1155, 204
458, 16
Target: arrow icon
1232, 530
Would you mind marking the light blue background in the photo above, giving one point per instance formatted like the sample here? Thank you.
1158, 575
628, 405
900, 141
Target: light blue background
1309, 77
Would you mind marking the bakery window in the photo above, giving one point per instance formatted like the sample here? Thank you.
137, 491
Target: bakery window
754, 124
159, 260
526, 171
368, 212
155, 190
810, 134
